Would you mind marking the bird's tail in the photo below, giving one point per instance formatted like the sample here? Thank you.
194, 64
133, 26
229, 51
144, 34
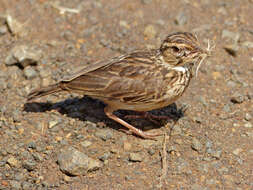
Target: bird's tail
44, 91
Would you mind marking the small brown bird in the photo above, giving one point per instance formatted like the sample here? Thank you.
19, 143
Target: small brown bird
139, 81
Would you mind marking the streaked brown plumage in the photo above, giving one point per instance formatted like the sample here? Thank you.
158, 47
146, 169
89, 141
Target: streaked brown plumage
139, 81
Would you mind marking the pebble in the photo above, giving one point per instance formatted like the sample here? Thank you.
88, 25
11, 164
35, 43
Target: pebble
248, 117
237, 98
23, 55
146, 1
3, 30
216, 154
104, 134
247, 44
15, 27
249, 134
127, 146
203, 167
85, 143
29, 165
181, 18
52, 124
15, 185
73, 162
105, 156
237, 151
31, 145
248, 125
67, 178
135, 157
196, 145
232, 49
235, 36
67, 35
27, 186
13, 162
150, 31
227, 108
151, 152
30, 73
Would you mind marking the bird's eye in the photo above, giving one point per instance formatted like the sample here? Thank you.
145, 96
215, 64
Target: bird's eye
175, 49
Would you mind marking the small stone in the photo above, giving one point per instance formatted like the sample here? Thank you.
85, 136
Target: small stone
237, 151
37, 157
26, 185
30, 73
29, 165
67, 35
15, 185
247, 44
127, 146
23, 55
124, 24
146, 1
15, 27
52, 124
151, 152
227, 108
248, 125
3, 30
105, 156
247, 117
86, 143
135, 157
67, 178
249, 134
150, 31
235, 36
237, 98
13, 162
232, 49
73, 162
181, 19
216, 154
216, 75
231, 83
196, 145
104, 134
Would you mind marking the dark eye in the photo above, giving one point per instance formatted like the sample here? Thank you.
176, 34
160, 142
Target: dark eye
175, 49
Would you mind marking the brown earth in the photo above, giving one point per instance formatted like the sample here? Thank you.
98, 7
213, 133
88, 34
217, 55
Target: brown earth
210, 144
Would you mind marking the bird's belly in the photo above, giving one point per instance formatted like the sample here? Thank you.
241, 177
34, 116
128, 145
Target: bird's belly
144, 106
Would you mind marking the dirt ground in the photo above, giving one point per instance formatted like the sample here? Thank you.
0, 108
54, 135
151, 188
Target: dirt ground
64, 141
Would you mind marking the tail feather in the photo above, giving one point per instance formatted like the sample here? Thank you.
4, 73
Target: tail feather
44, 91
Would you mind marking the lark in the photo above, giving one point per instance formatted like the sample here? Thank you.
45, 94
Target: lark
141, 81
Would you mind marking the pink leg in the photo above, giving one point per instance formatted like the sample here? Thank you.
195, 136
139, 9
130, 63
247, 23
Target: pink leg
145, 135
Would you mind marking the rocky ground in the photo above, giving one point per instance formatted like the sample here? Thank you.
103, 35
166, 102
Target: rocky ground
65, 141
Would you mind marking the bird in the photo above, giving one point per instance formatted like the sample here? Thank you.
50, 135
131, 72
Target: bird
142, 80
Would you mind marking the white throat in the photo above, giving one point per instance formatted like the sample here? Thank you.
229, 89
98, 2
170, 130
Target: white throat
180, 69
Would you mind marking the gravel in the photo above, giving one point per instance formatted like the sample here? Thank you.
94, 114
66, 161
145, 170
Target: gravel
104, 134
73, 162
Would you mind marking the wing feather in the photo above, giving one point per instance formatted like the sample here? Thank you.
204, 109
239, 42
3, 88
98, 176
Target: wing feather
130, 79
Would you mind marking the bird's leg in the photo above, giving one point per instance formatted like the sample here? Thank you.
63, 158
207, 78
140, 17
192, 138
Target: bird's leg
149, 116
145, 135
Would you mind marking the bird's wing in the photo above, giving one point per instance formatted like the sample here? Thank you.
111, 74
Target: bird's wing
132, 78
